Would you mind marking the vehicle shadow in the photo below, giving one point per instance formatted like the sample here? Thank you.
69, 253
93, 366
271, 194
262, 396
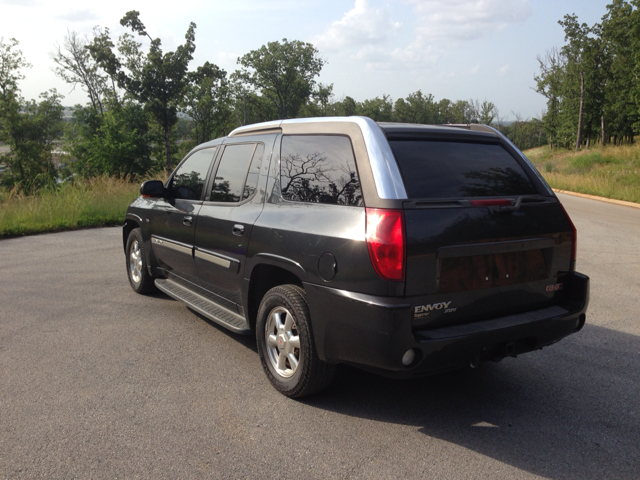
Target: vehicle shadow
570, 411
248, 341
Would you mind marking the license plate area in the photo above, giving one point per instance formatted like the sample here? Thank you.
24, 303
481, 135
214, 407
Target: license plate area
478, 272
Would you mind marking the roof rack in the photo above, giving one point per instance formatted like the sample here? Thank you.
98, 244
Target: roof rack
476, 127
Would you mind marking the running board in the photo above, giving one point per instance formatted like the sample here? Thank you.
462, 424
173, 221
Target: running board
214, 312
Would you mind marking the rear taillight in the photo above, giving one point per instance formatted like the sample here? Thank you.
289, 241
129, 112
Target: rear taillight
500, 202
574, 238
386, 242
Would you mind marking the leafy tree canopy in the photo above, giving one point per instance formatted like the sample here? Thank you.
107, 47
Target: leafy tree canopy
283, 73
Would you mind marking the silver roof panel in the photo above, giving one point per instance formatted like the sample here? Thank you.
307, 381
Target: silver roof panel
386, 174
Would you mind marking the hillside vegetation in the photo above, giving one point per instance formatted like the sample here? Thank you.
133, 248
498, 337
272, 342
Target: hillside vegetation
95, 202
612, 172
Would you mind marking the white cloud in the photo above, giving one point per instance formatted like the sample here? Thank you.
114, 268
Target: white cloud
362, 26
78, 15
467, 19
502, 71
368, 34
21, 3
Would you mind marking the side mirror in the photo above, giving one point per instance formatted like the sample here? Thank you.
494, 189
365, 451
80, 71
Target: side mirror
152, 188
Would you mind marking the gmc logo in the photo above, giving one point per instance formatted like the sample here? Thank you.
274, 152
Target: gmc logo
554, 288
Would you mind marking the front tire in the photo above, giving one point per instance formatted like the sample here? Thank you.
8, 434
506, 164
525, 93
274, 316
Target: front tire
137, 270
285, 344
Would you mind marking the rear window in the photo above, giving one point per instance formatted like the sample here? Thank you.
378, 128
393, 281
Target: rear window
433, 169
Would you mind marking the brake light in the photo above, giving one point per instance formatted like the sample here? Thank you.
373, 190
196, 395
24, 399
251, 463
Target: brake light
574, 238
386, 242
491, 203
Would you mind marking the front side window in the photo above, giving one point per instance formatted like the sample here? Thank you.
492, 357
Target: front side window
319, 169
230, 178
188, 180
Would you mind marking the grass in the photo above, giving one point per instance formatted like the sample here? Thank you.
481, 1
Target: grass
96, 202
611, 172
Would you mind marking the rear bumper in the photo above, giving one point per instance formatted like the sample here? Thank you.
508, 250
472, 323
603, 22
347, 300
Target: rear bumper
375, 332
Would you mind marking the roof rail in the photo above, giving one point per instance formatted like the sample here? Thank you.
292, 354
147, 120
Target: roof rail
257, 128
476, 127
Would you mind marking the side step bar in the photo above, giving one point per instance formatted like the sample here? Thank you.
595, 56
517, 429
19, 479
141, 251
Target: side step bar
214, 312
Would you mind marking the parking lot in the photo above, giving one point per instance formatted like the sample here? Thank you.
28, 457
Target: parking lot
98, 382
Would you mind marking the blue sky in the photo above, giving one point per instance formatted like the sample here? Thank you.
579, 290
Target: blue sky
456, 49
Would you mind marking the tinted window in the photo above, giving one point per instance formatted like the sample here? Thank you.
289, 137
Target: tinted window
229, 182
188, 180
320, 169
432, 169
254, 173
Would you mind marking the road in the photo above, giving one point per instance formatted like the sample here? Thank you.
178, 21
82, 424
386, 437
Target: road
98, 382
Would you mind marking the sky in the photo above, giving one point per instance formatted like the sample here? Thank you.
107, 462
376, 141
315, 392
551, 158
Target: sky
455, 49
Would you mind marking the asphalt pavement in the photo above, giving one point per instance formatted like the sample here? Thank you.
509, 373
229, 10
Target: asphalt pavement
99, 382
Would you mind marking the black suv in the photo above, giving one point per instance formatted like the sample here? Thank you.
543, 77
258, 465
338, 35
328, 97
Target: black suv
402, 249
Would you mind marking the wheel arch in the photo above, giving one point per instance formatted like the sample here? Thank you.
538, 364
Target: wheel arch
130, 222
263, 277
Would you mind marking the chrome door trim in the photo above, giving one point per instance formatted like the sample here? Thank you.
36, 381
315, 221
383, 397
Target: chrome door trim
217, 259
173, 245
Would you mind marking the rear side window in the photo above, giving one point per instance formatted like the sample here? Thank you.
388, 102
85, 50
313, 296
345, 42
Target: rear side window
433, 169
319, 169
230, 177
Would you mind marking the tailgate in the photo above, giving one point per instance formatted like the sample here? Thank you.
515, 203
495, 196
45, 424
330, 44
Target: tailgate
468, 264
484, 237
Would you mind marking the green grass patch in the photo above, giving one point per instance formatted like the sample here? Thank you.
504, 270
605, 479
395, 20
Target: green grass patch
611, 172
96, 202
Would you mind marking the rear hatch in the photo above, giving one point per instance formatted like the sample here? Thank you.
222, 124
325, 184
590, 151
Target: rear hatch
485, 237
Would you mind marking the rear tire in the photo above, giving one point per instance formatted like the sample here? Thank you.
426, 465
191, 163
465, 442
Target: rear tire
285, 344
137, 270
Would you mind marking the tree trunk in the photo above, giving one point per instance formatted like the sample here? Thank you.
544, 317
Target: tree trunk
244, 108
588, 141
604, 138
167, 144
579, 138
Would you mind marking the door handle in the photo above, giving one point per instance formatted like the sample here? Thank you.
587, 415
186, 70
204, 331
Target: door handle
187, 220
238, 230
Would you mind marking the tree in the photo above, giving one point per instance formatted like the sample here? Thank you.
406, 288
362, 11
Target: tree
322, 95
416, 108
486, 113
11, 62
207, 101
378, 109
283, 73
549, 83
76, 67
346, 107
155, 79
583, 85
114, 142
620, 27
28, 127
